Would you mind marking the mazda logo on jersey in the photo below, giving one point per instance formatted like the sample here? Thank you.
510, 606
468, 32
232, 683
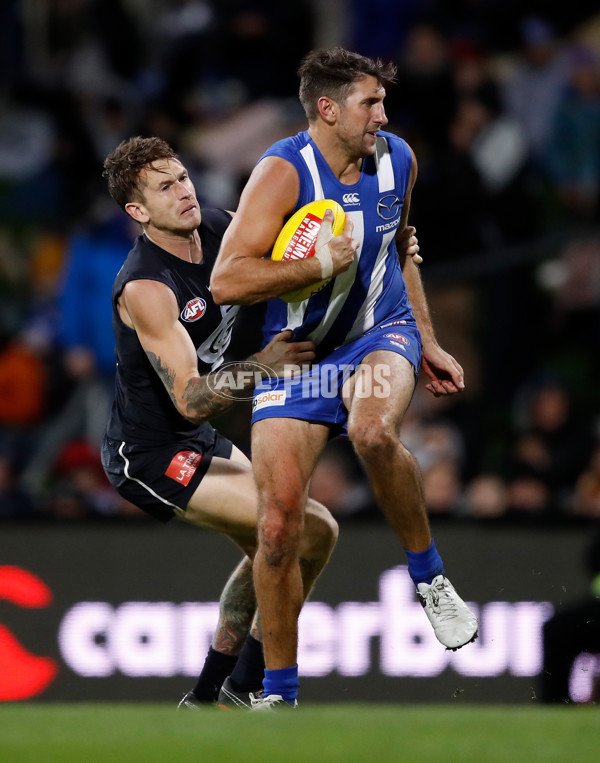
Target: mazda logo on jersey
194, 310
388, 207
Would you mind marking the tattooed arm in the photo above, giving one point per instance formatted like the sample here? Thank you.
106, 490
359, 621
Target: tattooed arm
150, 308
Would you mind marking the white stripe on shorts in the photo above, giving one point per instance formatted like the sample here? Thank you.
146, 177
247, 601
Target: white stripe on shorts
146, 487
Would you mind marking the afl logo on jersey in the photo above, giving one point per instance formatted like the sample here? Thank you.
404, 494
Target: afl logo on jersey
194, 310
388, 207
397, 338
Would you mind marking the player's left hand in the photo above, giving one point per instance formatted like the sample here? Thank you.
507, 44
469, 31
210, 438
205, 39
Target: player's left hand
285, 358
447, 376
408, 244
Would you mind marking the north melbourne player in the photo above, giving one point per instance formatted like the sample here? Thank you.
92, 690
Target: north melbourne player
372, 313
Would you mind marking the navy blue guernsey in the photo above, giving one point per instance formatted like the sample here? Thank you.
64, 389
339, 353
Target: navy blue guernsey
143, 411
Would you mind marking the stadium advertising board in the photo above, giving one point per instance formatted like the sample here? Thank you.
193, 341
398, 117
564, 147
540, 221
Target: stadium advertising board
113, 612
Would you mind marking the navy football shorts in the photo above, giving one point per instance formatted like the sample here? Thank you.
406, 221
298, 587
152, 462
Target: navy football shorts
317, 394
161, 479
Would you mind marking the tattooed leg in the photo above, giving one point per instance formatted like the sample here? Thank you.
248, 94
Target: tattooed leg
236, 610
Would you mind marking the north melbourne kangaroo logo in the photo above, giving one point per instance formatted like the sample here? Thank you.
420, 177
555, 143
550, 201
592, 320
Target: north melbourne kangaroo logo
24, 675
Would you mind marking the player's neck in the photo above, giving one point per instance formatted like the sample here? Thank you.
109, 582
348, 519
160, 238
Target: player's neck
345, 167
186, 247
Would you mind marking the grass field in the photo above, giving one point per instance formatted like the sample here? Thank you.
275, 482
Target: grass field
154, 733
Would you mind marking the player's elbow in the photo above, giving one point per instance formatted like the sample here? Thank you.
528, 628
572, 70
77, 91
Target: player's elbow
227, 294
227, 289
196, 411
219, 293
221, 288
182, 408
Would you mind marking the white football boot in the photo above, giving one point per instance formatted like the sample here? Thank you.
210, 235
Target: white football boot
271, 702
453, 622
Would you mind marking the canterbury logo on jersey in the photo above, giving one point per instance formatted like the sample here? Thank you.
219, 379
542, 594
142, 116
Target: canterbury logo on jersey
351, 198
193, 310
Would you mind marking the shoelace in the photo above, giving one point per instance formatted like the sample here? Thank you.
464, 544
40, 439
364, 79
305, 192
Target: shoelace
441, 602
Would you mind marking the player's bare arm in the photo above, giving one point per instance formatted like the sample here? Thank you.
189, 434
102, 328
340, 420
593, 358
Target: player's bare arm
445, 374
173, 357
241, 274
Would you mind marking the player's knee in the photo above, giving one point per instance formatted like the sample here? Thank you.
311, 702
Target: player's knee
279, 533
374, 440
284, 493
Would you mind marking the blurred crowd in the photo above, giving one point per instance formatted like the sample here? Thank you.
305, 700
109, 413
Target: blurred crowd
501, 104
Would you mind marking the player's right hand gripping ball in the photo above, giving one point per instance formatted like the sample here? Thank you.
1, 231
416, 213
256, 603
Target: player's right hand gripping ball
298, 236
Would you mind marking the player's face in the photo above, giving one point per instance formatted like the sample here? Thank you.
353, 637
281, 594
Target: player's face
169, 197
361, 117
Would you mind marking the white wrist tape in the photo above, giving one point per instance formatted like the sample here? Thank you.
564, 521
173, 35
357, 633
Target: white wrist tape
322, 252
324, 256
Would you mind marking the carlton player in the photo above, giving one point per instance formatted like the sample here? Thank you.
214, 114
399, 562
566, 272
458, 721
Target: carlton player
160, 451
372, 313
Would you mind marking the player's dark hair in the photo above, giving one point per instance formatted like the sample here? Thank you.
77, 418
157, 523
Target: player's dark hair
333, 72
122, 166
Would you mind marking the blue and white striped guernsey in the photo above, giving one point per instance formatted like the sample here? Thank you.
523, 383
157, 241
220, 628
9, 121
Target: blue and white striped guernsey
372, 291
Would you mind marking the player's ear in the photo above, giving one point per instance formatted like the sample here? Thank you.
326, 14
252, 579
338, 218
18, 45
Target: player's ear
137, 212
328, 109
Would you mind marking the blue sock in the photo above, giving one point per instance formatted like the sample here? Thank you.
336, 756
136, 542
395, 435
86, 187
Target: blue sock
284, 682
423, 566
